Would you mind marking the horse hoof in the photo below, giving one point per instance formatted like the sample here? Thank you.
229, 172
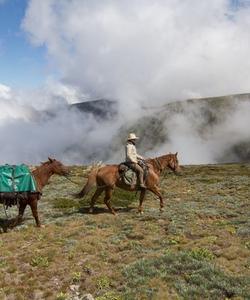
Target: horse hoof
41, 226
161, 210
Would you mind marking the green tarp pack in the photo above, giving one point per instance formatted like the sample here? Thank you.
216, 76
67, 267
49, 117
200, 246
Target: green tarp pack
16, 179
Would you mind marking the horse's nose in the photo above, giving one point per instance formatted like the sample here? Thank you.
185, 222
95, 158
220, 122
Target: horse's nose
67, 170
178, 170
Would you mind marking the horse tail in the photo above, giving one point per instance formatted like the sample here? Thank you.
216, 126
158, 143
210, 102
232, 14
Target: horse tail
90, 183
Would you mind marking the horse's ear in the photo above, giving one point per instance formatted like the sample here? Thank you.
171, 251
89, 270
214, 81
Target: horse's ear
50, 159
176, 154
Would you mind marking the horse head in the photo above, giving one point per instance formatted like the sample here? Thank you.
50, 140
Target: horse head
57, 167
173, 163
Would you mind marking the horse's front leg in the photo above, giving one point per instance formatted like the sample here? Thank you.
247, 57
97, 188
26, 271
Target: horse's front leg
155, 189
33, 206
142, 196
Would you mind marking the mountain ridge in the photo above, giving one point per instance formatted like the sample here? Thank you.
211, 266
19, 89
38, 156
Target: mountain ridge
205, 120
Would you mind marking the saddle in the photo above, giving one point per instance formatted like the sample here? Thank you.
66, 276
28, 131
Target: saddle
129, 176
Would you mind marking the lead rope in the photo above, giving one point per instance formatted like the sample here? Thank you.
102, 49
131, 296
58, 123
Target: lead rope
76, 183
71, 180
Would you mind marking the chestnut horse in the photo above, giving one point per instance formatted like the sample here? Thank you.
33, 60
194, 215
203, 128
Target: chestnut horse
107, 178
41, 175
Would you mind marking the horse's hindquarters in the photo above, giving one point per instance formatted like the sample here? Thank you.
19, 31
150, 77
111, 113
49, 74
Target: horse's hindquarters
8, 199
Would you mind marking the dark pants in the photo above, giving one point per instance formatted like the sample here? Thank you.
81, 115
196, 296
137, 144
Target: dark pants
139, 171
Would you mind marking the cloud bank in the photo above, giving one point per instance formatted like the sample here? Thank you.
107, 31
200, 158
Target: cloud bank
141, 53
36, 125
145, 50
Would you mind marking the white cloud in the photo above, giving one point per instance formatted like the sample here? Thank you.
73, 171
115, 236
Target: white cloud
145, 50
5, 91
10, 108
141, 52
37, 124
208, 137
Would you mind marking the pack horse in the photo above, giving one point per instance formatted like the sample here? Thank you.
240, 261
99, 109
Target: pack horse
19, 186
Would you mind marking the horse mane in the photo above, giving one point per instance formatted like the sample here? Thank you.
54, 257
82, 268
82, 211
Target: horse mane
159, 157
45, 163
36, 169
159, 163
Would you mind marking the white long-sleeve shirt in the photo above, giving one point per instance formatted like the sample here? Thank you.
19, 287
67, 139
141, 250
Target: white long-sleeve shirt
131, 153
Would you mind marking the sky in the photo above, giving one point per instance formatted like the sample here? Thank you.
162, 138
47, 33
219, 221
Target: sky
25, 65
21, 64
142, 53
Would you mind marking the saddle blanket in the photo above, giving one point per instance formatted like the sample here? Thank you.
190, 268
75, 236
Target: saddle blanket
128, 176
16, 179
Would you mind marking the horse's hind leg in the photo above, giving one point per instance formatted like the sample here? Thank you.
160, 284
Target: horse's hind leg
18, 219
94, 198
156, 191
33, 206
22, 207
142, 196
108, 194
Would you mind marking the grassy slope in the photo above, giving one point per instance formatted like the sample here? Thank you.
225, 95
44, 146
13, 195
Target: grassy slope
197, 248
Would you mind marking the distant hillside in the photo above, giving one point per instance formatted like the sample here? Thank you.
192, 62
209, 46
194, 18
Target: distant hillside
105, 107
205, 119
100, 108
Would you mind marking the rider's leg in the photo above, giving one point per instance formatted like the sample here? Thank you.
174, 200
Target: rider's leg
140, 173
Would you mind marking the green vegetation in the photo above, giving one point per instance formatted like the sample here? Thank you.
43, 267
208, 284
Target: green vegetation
198, 248
40, 261
61, 296
201, 254
193, 278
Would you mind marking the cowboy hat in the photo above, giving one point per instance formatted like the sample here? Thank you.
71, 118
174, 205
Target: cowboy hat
132, 136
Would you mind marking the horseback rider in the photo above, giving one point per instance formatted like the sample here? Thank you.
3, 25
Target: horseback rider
132, 158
